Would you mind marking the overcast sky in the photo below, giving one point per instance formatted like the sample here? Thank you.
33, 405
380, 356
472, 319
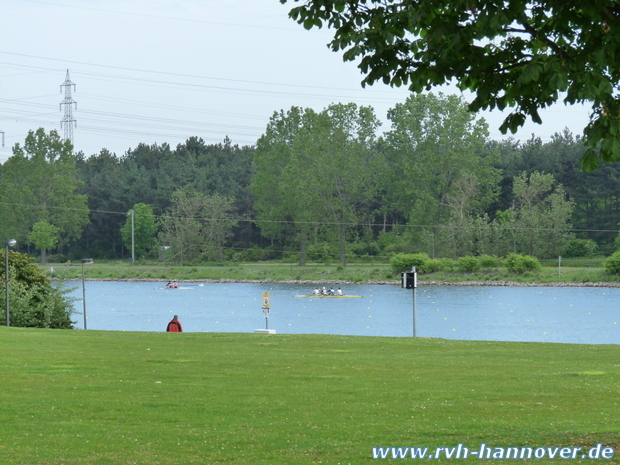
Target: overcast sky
162, 71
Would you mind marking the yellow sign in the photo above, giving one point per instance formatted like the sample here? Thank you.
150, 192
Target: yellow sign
266, 299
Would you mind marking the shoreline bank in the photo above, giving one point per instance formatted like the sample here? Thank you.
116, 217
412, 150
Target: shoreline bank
333, 282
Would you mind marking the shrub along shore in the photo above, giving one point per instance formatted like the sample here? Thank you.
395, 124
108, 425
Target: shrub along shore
334, 282
325, 274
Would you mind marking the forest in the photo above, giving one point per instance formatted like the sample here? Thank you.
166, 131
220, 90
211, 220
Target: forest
316, 186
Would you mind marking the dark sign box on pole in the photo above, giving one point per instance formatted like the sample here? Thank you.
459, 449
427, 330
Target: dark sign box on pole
410, 279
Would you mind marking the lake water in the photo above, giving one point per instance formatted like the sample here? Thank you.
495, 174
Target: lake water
544, 314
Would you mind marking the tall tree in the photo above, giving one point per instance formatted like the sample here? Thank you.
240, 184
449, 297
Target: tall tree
104, 185
539, 222
441, 171
273, 154
224, 169
519, 54
44, 236
315, 169
197, 226
39, 183
143, 230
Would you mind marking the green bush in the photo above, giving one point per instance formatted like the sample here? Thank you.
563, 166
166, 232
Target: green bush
580, 248
448, 264
489, 261
468, 264
237, 257
360, 249
33, 307
34, 301
521, 263
404, 262
322, 252
432, 265
612, 264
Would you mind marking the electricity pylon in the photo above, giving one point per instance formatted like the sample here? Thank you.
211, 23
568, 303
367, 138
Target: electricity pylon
67, 121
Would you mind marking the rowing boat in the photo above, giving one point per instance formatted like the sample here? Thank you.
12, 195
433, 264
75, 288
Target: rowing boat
332, 296
185, 287
175, 288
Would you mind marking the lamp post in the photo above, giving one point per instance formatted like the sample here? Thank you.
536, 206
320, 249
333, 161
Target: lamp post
133, 246
9, 243
85, 261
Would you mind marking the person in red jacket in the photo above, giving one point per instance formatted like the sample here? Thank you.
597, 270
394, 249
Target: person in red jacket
175, 325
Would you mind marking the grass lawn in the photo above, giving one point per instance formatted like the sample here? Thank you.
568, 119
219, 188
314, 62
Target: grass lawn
235, 271
96, 397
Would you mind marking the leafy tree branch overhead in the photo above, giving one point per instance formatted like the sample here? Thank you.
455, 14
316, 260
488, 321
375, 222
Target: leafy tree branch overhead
517, 54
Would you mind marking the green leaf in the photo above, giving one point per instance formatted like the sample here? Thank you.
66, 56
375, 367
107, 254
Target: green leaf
590, 160
530, 73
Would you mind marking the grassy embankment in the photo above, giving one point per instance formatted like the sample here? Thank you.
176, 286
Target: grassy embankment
96, 397
573, 270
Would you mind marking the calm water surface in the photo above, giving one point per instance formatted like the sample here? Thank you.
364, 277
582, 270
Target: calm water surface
545, 314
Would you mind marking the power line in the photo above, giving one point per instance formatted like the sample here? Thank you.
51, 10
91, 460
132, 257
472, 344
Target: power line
311, 223
162, 73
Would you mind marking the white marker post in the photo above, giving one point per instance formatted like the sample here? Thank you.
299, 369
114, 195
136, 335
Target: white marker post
410, 281
266, 310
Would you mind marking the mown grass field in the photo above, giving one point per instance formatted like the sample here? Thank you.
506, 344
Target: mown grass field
96, 397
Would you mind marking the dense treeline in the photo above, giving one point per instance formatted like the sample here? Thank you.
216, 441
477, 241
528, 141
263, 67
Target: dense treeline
318, 185
151, 175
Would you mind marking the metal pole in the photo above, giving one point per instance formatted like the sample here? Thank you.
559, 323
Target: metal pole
133, 248
6, 279
415, 333
83, 294
415, 310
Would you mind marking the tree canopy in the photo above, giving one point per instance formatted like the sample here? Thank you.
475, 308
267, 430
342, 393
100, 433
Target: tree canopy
196, 226
518, 54
39, 183
316, 171
44, 236
144, 230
